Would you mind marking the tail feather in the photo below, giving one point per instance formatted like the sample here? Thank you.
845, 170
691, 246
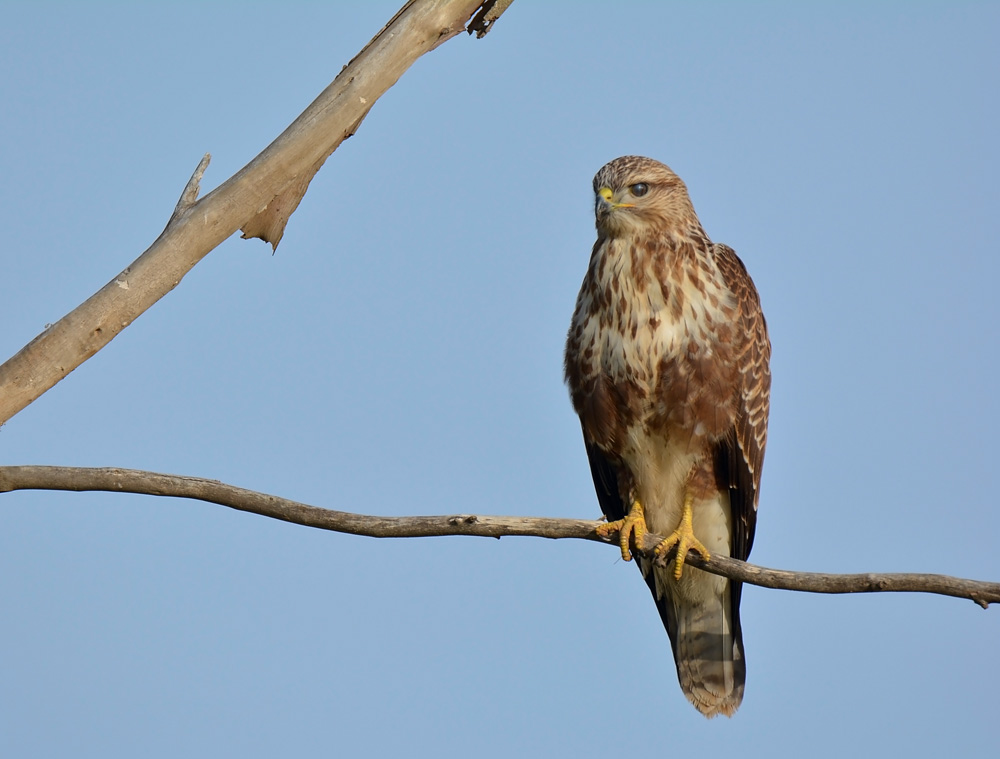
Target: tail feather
709, 653
706, 638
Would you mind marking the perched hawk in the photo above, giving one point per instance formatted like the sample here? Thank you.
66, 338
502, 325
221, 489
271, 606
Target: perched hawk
667, 365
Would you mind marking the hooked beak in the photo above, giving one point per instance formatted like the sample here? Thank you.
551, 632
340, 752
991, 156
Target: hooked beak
605, 203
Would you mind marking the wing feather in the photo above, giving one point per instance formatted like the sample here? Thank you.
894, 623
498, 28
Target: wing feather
741, 453
605, 475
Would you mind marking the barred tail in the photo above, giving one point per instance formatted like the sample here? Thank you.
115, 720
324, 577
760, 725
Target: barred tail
707, 642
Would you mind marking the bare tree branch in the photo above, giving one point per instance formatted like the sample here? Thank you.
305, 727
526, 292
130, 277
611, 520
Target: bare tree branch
151, 483
259, 199
490, 11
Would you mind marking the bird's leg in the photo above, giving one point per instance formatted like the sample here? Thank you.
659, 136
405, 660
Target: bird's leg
683, 537
633, 524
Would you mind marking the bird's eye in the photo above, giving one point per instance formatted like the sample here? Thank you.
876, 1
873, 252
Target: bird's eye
639, 189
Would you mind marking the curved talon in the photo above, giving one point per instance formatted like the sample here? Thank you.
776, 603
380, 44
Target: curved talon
683, 537
632, 525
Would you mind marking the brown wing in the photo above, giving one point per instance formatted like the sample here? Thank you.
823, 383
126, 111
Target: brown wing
606, 482
741, 454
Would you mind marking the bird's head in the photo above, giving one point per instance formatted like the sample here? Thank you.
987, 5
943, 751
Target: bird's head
633, 194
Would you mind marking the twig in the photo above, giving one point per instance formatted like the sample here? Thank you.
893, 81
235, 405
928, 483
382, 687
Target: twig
151, 483
190, 195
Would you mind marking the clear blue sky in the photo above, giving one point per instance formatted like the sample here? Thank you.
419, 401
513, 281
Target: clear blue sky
401, 354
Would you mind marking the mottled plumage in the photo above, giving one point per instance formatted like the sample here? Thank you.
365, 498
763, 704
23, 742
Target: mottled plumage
667, 365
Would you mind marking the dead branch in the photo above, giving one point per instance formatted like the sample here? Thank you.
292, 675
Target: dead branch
258, 199
490, 11
151, 483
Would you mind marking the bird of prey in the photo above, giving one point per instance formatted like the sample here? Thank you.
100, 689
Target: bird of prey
667, 366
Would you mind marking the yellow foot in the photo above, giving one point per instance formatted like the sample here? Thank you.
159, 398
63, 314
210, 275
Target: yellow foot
683, 537
633, 524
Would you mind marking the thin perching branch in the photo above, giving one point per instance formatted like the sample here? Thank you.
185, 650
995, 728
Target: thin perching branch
151, 483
